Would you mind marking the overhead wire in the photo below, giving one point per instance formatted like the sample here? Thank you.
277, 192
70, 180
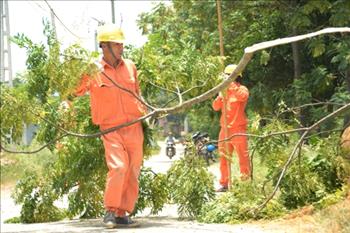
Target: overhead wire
54, 13
38, 5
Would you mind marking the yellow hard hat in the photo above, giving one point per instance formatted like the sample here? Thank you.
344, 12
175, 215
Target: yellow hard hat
110, 33
230, 68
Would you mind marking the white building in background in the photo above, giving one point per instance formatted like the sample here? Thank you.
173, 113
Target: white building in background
29, 132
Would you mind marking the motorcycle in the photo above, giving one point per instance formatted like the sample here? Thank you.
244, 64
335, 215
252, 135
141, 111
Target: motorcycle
170, 149
203, 147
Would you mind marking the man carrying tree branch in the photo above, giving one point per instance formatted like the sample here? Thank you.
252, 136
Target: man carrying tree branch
115, 99
233, 120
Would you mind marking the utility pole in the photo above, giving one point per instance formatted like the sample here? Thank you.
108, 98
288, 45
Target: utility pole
99, 23
113, 13
227, 155
53, 21
52, 14
5, 43
218, 5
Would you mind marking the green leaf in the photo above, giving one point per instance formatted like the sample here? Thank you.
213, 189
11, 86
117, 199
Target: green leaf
317, 47
264, 58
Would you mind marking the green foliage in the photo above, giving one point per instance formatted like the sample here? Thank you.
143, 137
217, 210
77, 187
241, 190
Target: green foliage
190, 184
342, 54
46, 132
333, 198
149, 143
49, 71
37, 57
317, 47
341, 95
339, 13
315, 176
80, 168
15, 109
154, 191
13, 220
270, 76
201, 118
327, 162
173, 62
237, 205
80, 171
37, 197
65, 76
14, 167
264, 58
300, 186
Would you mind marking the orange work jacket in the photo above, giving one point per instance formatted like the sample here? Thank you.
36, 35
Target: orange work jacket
236, 101
111, 105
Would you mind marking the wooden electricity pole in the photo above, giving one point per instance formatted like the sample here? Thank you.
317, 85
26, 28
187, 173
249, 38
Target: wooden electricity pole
113, 12
224, 99
218, 6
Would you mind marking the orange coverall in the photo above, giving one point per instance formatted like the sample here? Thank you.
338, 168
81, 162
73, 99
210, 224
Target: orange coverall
236, 120
112, 106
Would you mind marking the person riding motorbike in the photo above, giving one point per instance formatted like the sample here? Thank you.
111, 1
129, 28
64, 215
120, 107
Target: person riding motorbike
170, 145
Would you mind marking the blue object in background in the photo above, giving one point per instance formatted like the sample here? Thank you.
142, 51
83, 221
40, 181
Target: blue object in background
211, 147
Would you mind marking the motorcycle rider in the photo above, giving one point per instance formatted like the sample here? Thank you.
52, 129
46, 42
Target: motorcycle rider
170, 145
170, 138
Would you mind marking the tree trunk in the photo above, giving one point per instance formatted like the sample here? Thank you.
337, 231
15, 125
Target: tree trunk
297, 75
347, 81
296, 58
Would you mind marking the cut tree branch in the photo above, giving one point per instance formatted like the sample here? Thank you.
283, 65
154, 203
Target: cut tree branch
295, 149
247, 56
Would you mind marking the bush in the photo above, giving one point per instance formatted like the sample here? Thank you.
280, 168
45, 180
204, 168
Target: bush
37, 198
153, 191
190, 185
237, 205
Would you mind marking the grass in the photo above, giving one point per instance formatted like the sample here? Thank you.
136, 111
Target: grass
14, 166
335, 218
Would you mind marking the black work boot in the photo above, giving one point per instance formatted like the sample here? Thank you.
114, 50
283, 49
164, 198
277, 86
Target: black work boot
126, 222
110, 220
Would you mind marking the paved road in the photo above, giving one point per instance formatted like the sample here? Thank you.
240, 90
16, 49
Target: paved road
166, 221
161, 163
148, 225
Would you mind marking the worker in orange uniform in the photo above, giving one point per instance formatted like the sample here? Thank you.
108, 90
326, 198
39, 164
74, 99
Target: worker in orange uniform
235, 121
112, 106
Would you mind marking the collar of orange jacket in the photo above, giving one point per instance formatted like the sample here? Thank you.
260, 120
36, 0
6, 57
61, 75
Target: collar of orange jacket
104, 63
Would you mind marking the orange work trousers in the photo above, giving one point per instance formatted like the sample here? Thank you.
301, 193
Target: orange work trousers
239, 144
123, 152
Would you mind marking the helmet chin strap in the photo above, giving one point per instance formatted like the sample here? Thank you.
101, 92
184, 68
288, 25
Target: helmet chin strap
116, 60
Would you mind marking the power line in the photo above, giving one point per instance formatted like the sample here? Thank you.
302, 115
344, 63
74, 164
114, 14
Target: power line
61, 21
38, 5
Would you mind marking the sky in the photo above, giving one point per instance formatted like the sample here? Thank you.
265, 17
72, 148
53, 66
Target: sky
78, 16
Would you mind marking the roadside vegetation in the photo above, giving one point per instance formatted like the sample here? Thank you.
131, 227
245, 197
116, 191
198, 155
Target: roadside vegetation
14, 167
295, 93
